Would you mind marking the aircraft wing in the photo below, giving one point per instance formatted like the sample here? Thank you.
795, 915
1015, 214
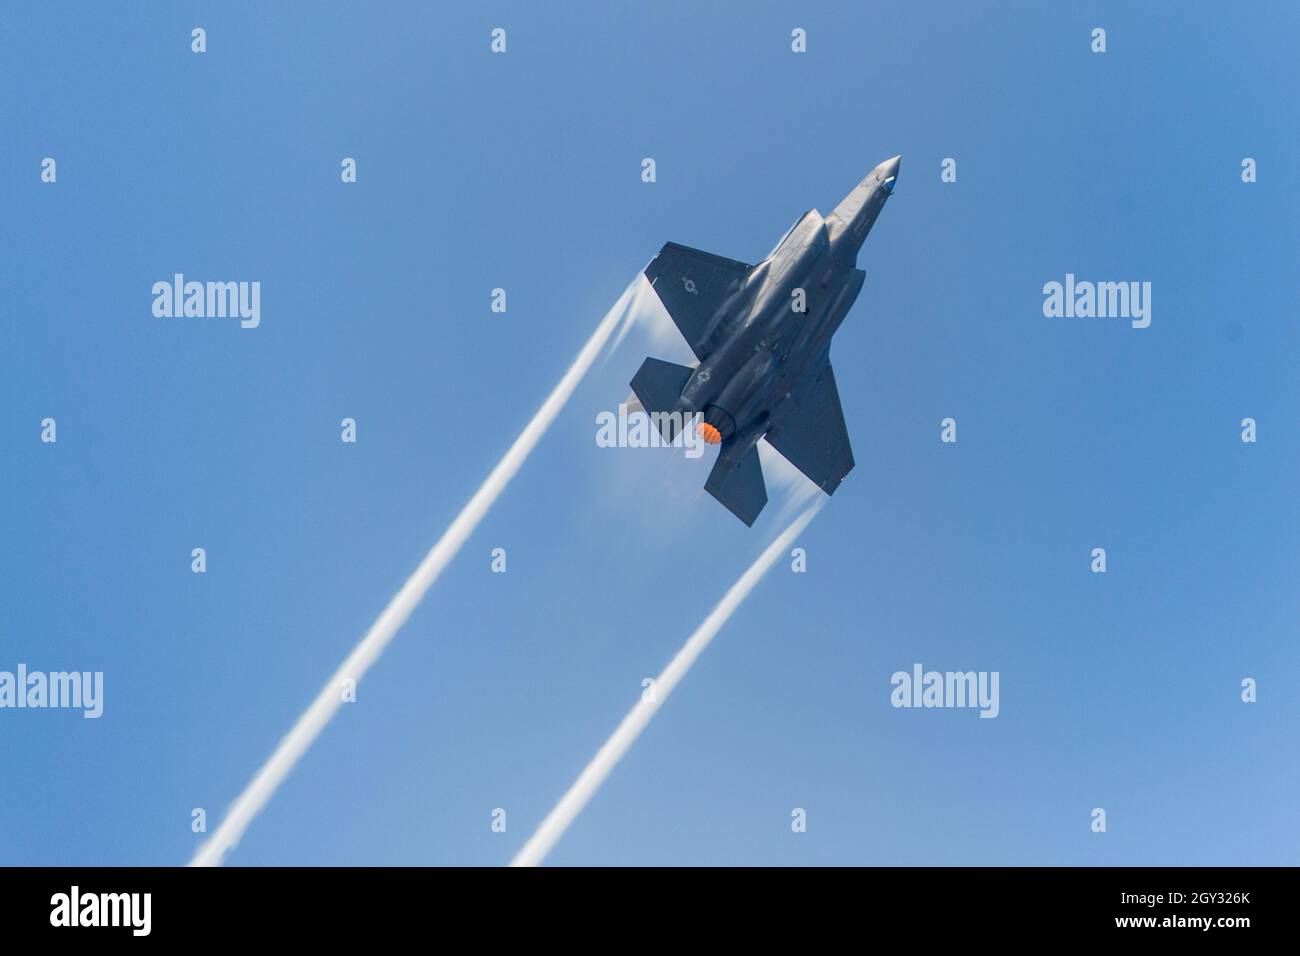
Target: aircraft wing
692, 285
811, 434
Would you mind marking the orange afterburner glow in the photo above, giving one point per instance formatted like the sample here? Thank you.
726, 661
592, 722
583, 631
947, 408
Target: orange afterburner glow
710, 434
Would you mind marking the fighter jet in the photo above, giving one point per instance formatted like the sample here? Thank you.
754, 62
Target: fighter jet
762, 335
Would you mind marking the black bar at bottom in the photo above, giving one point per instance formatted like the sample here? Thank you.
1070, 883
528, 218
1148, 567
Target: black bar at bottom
336, 906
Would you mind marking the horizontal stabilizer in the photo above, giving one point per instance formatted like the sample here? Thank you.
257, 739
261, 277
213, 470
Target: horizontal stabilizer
658, 385
740, 489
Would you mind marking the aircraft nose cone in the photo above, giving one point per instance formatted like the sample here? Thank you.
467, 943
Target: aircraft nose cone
889, 173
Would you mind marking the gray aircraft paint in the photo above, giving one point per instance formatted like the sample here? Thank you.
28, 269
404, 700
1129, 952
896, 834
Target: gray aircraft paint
764, 368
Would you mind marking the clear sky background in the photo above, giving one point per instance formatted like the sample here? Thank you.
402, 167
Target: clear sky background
522, 170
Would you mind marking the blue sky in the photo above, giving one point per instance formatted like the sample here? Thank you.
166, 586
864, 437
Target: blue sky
522, 171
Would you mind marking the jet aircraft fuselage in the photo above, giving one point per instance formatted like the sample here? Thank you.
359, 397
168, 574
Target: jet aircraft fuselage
762, 336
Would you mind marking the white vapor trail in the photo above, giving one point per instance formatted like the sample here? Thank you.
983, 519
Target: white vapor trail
313, 720
589, 781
